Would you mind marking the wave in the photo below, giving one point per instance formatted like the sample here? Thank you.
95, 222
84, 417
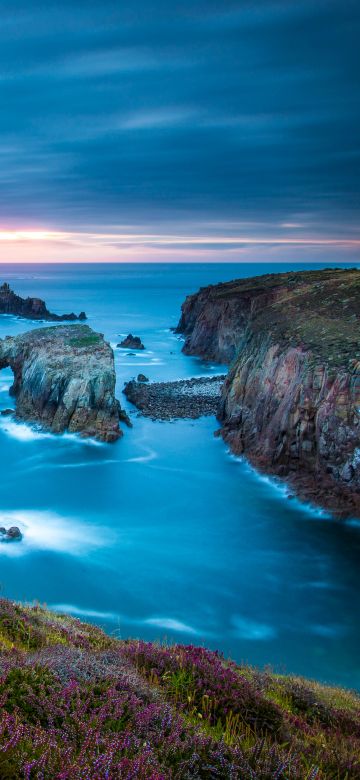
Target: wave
251, 629
72, 609
172, 625
281, 488
168, 623
25, 432
151, 455
43, 530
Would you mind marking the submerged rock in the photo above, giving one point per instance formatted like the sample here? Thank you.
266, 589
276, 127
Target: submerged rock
291, 399
64, 379
30, 308
13, 534
131, 342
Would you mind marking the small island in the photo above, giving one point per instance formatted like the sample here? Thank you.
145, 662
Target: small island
64, 379
31, 308
131, 342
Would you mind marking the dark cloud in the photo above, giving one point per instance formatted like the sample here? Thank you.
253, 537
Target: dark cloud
185, 110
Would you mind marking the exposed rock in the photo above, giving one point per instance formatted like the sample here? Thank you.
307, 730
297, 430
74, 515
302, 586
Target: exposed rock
124, 417
291, 400
13, 534
7, 412
188, 398
142, 378
131, 342
30, 308
64, 379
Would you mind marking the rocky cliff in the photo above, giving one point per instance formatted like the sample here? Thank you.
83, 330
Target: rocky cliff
64, 379
30, 308
291, 400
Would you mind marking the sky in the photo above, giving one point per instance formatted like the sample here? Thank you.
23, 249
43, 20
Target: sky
190, 130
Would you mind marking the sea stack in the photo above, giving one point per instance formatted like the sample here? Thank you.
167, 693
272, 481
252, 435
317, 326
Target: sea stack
64, 379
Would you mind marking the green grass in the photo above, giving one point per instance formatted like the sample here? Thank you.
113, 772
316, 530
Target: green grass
85, 341
77, 704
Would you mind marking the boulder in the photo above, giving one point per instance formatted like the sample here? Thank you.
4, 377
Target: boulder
142, 378
14, 533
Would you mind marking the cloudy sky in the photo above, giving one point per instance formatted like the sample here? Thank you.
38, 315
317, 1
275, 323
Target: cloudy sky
183, 130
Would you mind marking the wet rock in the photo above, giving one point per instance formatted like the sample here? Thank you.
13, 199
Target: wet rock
124, 417
131, 342
13, 534
347, 472
142, 378
7, 412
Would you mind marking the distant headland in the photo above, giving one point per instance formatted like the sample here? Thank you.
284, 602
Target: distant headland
30, 308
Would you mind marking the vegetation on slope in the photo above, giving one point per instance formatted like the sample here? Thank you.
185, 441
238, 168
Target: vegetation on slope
77, 704
317, 309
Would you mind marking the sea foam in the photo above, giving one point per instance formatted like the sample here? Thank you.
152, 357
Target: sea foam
43, 530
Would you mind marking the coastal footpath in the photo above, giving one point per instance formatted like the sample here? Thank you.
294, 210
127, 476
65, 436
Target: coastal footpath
77, 703
30, 308
291, 399
64, 380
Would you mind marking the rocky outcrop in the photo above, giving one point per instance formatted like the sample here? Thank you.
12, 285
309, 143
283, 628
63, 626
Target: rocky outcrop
30, 308
64, 379
291, 400
13, 534
131, 342
187, 398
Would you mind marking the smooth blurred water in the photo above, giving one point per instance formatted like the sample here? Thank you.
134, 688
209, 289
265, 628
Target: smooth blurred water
165, 534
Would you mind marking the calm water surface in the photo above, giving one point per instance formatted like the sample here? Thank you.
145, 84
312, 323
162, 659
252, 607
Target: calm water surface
164, 534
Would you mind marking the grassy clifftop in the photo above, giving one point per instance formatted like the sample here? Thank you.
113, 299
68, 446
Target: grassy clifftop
77, 704
317, 309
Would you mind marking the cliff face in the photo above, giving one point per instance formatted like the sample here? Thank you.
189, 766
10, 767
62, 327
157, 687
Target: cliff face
291, 400
64, 379
30, 308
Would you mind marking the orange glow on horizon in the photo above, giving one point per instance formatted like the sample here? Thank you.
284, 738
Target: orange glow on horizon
46, 245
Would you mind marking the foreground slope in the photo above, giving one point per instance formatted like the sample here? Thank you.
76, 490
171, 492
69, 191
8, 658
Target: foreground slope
291, 400
64, 379
76, 704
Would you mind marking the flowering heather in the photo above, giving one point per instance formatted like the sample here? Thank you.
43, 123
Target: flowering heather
79, 705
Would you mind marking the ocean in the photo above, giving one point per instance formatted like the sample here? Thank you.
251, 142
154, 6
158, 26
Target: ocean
165, 535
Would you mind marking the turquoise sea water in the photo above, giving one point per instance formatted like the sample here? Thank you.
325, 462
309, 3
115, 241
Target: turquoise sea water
164, 534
